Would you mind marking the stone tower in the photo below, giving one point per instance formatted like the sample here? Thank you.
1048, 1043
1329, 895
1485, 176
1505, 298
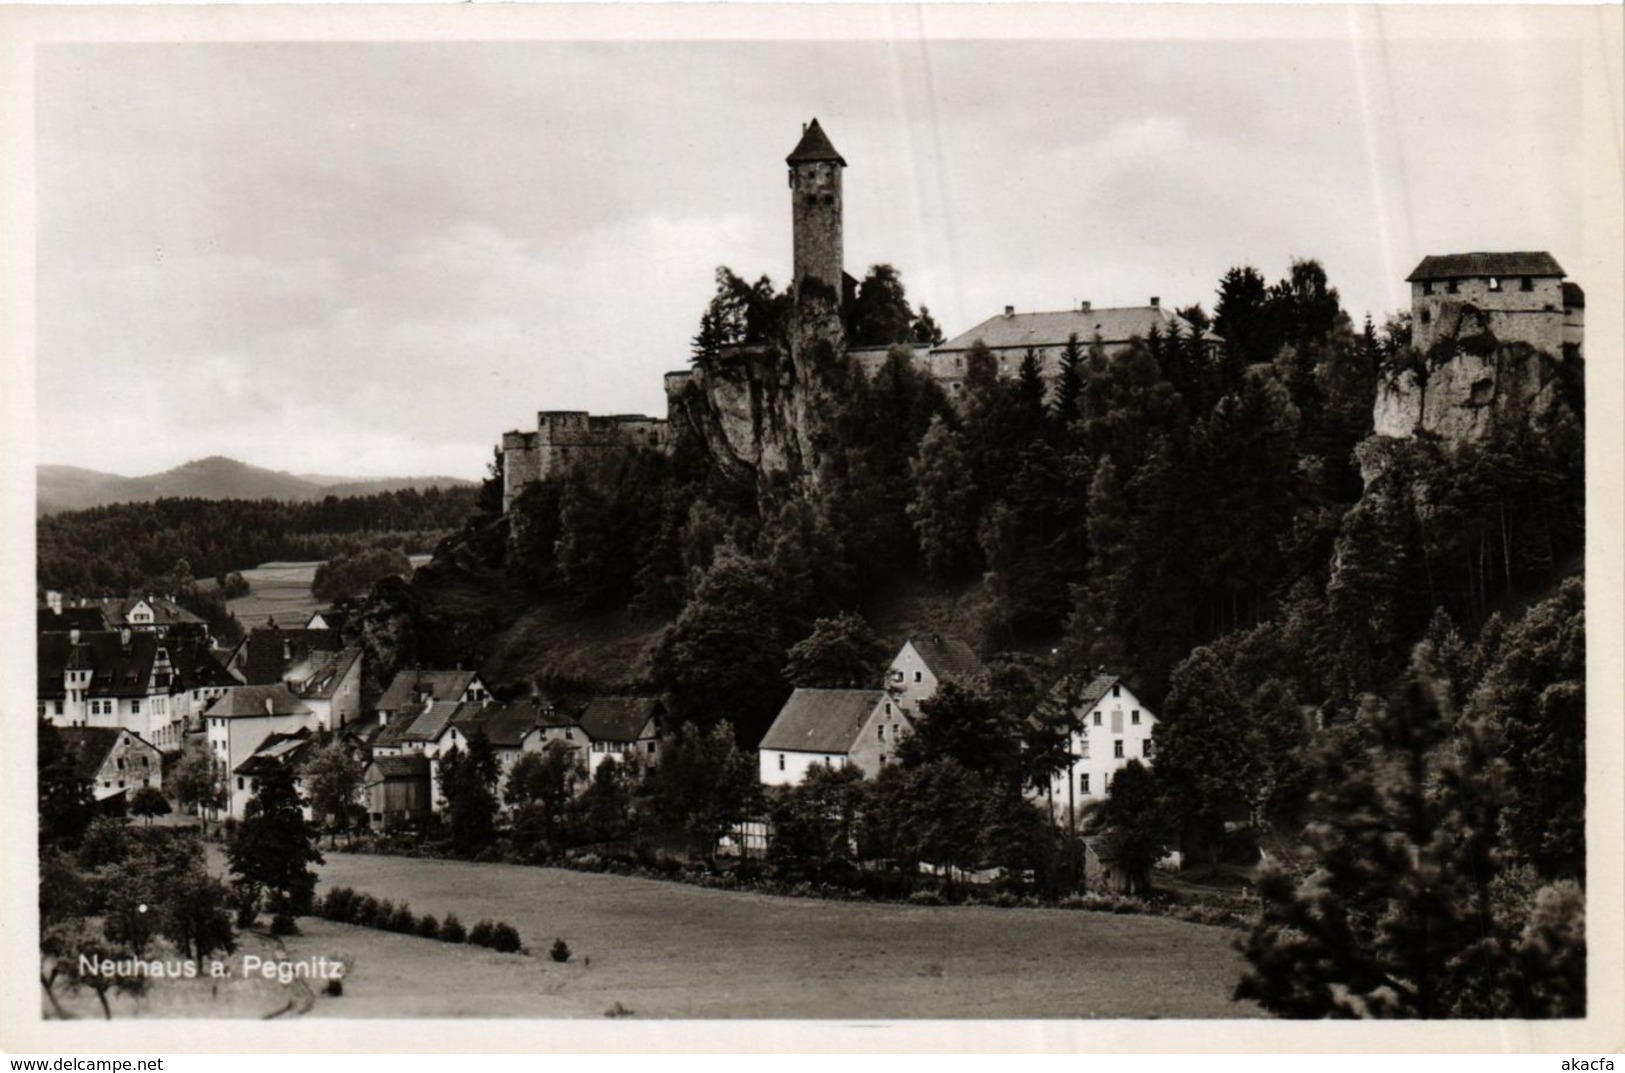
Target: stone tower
815, 190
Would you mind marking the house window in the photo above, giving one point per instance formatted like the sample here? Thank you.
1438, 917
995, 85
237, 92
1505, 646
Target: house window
1083, 748
1427, 286
919, 677
1083, 783
880, 732
1526, 284
239, 782
106, 784
1495, 283
1134, 717
1097, 719
781, 761
1145, 749
1451, 287
57, 706
897, 676
121, 763
1117, 691
651, 748
1117, 747
135, 707
888, 707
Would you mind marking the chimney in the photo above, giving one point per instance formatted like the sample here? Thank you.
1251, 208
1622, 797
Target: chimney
1156, 303
1086, 307
53, 600
1009, 311
124, 638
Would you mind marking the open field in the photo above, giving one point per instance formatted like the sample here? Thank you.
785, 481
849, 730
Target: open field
282, 590
671, 950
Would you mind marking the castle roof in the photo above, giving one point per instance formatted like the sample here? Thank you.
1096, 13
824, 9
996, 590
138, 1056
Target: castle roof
814, 146
1469, 265
1116, 325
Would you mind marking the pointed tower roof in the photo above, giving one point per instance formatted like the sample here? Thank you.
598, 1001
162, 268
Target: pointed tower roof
814, 145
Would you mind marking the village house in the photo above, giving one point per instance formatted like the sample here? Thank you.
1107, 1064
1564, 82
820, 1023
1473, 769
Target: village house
395, 790
626, 729
152, 684
267, 653
58, 616
923, 664
276, 751
330, 682
828, 727
117, 762
411, 688
240, 722
1107, 726
328, 618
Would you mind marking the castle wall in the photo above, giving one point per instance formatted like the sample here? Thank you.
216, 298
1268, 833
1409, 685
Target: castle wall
571, 440
1510, 313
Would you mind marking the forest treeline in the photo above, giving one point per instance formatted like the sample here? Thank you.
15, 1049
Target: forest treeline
127, 547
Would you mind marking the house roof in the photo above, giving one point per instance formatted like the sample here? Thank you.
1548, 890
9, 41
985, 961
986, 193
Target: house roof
431, 720
1574, 296
165, 612
246, 702
411, 766
275, 751
125, 670
92, 744
1115, 325
394, 729
265, 661
948, 657
321, 673
1464, 265
814, 145
70, 618
334, 617
1097, 688
440, 685
505, 725
619, 718
822, 720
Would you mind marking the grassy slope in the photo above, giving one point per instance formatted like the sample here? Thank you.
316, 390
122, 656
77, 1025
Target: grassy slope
668, 950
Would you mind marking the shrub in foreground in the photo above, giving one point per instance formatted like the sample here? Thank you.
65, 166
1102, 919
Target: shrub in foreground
452, 930
560, 951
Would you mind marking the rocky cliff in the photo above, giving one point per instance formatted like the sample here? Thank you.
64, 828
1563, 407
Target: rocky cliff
767, 414
1460, 395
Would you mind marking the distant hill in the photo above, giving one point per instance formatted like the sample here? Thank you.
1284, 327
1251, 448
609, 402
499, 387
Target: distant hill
63, 488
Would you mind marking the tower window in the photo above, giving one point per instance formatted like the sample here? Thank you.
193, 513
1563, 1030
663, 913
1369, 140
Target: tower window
1527, 284
1427, 286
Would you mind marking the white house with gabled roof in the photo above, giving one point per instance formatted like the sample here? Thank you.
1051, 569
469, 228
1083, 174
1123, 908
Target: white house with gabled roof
1107, 727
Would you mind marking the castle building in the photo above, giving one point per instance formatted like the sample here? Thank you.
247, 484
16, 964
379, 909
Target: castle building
570, 440
1496, 297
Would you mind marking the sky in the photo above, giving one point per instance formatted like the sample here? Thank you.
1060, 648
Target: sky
372, 259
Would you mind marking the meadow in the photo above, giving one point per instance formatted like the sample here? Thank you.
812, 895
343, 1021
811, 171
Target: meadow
282, 590
668, 950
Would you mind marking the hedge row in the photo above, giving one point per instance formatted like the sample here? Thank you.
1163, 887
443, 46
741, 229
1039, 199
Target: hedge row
346, 906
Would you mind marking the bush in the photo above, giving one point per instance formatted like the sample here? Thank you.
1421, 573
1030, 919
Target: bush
366, 911
282, 923
385, 914
505, 939
560, 951
926, 897
334, 988
403, 921
428, 926
480, 934
452, 930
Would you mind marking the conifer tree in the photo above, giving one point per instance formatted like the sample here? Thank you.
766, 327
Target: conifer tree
274, 846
